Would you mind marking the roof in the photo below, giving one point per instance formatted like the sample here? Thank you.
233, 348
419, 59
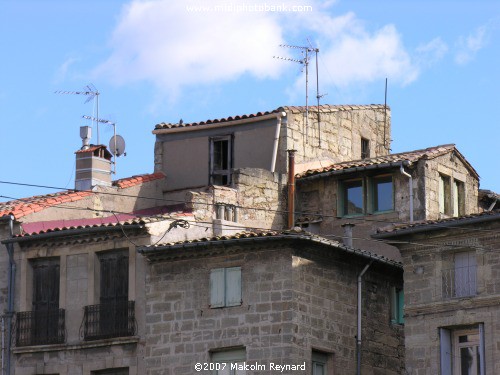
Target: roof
433, 225
386, 161
88, 226
137, 180
293, 109
165, 250
25, 206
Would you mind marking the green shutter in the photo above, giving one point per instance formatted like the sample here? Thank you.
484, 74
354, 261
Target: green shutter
233, 286
401, 304
217, 287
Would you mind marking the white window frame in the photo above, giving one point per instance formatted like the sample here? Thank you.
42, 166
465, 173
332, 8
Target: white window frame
450, 349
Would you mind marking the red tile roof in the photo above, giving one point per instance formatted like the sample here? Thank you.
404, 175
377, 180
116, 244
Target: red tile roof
409, 156
137, 180
26, 206
293, 109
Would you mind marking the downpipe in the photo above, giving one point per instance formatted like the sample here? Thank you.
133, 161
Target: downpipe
358, 336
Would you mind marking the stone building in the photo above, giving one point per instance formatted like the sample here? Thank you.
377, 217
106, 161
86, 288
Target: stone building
431, 183
268, 299
452, 286
223, 152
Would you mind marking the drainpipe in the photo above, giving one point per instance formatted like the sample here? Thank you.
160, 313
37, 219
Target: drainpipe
410, 187
291, 188
276, 139
358, 336
10, 295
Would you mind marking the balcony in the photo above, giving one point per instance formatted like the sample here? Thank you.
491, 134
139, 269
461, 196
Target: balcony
109, 320
40, 327
459, 282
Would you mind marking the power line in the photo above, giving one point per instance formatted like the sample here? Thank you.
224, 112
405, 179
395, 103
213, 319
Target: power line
361, 218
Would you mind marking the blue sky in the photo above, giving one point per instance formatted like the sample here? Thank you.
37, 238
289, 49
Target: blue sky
156, 61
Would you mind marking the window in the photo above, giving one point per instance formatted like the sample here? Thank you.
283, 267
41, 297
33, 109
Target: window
112, 371
225, 287
460, 279
114, 315
365, 148
383, 197
397, 306
458, 198
231, 359
319, 363
444, 195
366, 195
462, 351
44, 324
221, 160
353, 197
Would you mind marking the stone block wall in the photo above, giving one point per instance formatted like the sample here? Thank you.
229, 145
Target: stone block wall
292, 304
427, 308
338, 138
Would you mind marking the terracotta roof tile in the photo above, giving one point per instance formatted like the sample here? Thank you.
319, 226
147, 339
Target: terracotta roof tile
26, 206
293, 109
410, 156
137, 180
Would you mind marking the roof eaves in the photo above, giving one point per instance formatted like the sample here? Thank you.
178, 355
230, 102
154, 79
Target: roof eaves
435, 226
157, 252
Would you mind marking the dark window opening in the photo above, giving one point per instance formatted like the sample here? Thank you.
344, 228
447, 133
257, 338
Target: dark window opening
353, 197
220, 160
365, 148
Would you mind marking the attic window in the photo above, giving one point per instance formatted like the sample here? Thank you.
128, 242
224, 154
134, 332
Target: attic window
365, 148
221, 160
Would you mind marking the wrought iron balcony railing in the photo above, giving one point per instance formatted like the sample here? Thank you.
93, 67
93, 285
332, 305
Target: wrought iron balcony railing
40, 327
109, 320
459, 282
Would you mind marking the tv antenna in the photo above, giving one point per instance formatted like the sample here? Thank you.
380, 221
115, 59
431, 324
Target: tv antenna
305, 62
92, 93
318, 96
116, 143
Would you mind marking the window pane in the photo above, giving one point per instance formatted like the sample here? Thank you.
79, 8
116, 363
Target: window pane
383, 194
221, 155
353, 199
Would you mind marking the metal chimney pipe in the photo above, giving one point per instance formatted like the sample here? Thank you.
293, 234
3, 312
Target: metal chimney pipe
291, 188
347, 238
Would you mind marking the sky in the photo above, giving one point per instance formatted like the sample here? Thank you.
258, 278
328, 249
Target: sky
161, 61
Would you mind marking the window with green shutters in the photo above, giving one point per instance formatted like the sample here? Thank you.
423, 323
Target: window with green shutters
397, 305
225, 287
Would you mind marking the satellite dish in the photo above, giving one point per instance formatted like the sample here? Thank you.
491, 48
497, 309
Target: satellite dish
119, 149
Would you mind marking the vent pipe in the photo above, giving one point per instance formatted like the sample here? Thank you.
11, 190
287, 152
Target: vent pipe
347, 239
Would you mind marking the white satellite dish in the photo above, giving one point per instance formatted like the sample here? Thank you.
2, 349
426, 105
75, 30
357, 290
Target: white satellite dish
117, 145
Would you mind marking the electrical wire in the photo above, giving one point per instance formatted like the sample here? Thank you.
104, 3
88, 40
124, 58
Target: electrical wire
361, 218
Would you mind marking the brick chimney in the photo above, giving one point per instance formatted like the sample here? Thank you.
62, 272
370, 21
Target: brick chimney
93, 164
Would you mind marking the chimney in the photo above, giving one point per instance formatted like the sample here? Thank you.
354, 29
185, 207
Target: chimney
347, 238
93, 163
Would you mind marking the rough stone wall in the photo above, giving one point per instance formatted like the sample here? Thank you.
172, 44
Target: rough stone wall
326, 314
292, 304
182, 329
340, 135
427, 309
449, 165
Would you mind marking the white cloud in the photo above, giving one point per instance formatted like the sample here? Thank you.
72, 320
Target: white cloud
430, 53
162, 42
470, 45
63, 69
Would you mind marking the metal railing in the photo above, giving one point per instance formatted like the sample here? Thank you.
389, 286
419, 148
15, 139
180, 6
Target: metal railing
459, 282
109, 320
40, 327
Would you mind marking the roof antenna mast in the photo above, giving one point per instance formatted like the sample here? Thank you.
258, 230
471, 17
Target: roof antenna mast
304, 62
92, 93
318, 96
